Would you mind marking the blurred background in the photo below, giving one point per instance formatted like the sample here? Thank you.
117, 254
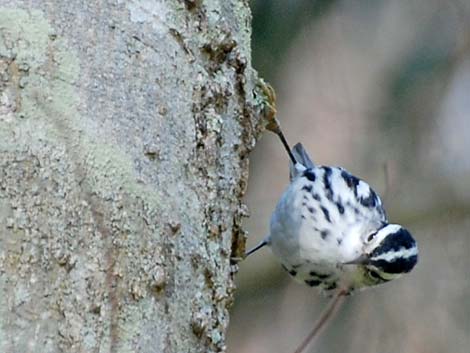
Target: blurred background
364, 84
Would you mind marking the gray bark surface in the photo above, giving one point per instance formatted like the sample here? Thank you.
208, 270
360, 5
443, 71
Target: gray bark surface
125, 128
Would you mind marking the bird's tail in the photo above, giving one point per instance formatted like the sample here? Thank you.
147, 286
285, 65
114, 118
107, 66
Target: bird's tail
302, 157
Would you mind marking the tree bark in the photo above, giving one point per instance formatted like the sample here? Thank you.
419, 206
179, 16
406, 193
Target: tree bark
125, 128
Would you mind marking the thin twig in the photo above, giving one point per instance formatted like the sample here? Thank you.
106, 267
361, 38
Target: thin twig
257, 247
270, 116
275, 127
286, 146
326, 316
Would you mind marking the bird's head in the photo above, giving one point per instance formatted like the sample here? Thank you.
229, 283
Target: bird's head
389, 252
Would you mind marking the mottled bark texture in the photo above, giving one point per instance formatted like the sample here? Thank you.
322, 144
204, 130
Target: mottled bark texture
124, 133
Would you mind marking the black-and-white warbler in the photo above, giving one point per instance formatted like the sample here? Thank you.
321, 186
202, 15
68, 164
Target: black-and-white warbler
330, 230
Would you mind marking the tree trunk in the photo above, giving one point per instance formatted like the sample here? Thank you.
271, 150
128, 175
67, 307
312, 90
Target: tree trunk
124, 134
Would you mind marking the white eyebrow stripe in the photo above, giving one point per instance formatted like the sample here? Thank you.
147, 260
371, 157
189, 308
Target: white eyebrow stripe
401, 253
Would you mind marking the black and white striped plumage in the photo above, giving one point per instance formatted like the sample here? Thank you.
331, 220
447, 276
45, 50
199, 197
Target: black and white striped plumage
330, 230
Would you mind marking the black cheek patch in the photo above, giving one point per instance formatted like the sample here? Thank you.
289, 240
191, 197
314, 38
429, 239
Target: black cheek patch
400, 265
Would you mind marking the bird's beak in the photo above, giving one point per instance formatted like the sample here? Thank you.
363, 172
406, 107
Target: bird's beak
361, 260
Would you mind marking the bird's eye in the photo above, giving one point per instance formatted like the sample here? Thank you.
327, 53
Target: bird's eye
372, 236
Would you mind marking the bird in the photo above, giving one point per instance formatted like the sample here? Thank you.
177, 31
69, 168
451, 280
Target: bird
330, 230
